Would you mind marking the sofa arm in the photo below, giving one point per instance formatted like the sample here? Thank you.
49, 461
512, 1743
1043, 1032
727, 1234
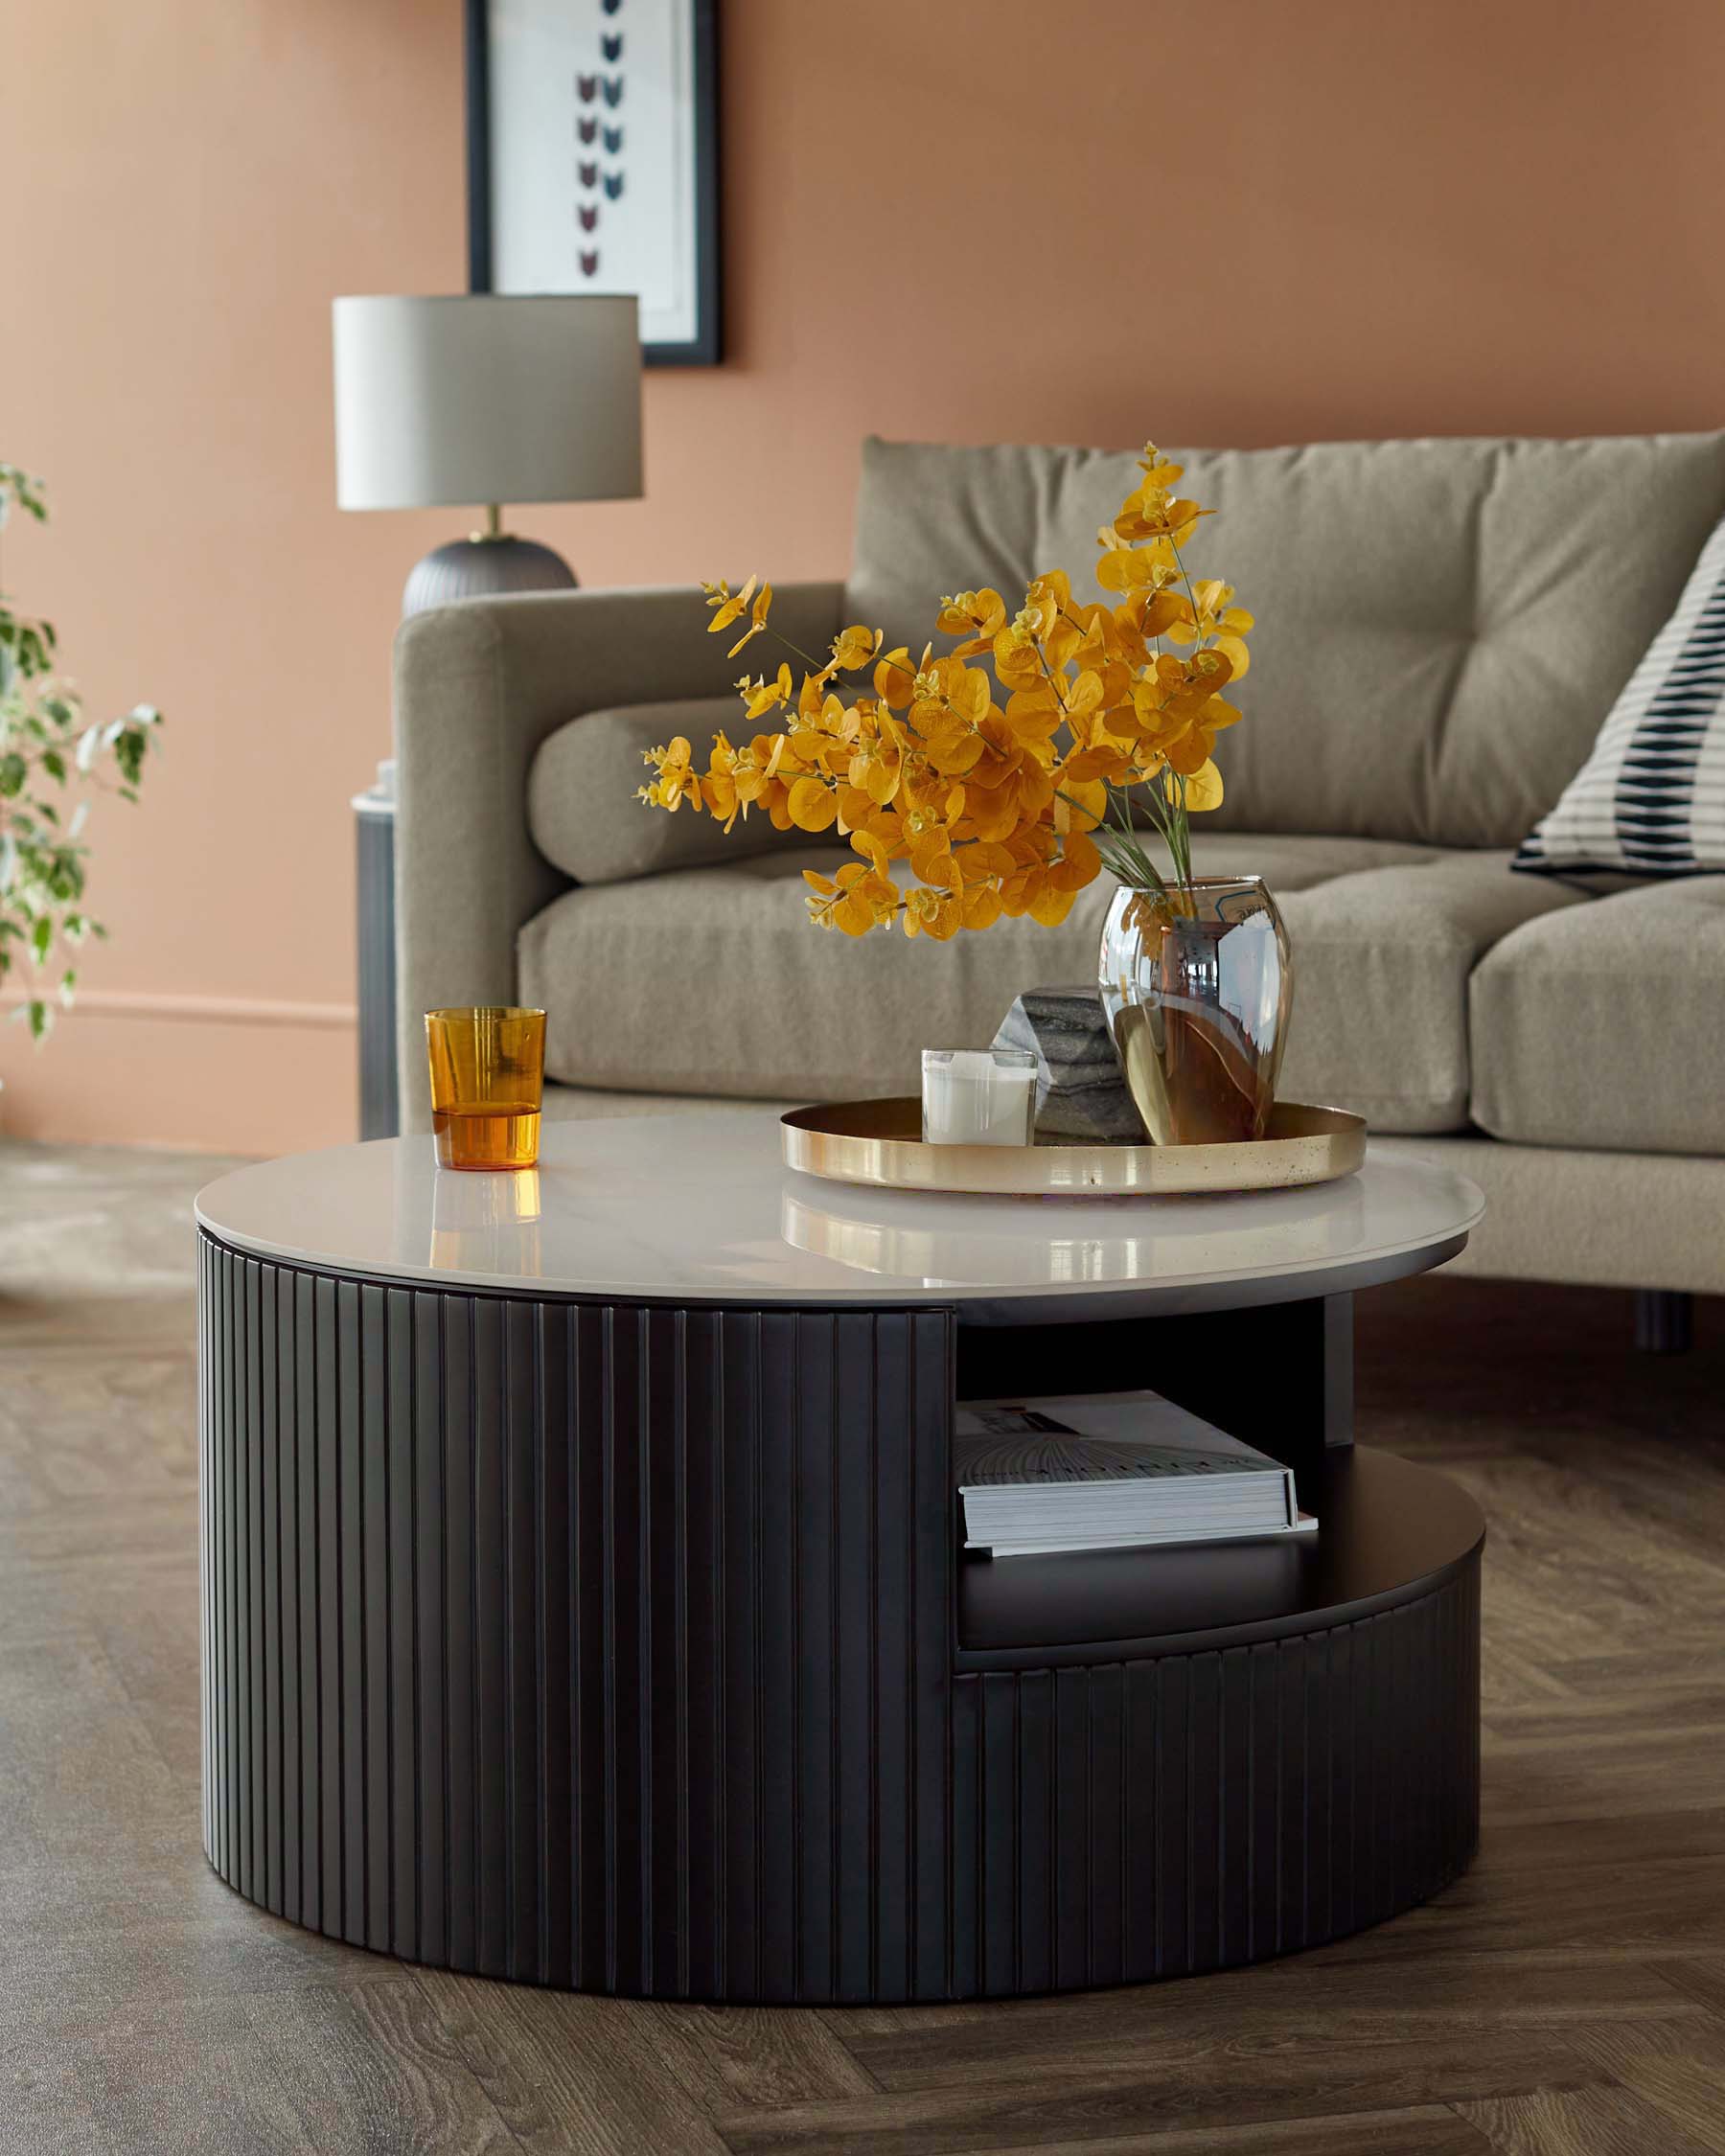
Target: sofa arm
478, 686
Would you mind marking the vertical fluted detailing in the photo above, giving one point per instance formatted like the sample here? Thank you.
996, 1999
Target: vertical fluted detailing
580, 1642
1195, 1811
611, 1646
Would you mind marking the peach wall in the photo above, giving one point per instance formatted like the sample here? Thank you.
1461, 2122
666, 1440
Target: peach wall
1489, 216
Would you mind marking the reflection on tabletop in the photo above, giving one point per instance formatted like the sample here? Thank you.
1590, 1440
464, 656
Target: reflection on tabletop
1031, 1242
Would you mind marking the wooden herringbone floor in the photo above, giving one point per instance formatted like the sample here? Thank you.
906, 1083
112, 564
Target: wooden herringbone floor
1567, 1999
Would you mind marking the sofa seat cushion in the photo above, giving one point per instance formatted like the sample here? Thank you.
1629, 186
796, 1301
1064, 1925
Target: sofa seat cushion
1381, 960
1604, 1026
712, 981
582, 809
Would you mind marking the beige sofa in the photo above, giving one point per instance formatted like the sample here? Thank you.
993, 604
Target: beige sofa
1442, 626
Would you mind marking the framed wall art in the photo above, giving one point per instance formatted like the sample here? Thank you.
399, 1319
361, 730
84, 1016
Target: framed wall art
593, 159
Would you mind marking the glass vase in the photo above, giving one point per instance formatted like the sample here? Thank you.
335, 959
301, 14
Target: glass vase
1196, 987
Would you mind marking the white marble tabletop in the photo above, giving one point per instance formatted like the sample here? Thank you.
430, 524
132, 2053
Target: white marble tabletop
699, 1208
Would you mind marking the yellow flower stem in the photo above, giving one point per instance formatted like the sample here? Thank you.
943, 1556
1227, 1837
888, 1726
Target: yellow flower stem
1055, 681
1181, 817
814, 665
1123, 855
1125, 811
1180, 823
1164, 814
1127, 858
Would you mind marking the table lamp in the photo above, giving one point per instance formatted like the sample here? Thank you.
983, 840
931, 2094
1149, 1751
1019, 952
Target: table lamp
486, 397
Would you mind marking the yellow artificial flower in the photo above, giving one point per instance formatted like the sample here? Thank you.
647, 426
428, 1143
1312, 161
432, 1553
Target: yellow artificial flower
812, 805
760, 697
875, 770
677, 782
1215, 620
757, 619
981, 905
1034, 714
1152, 510
933, 914
977, 616
998, 809
856, 648
895, 677
1131, 569
1203, 788
855, 901
728, 605
719, 788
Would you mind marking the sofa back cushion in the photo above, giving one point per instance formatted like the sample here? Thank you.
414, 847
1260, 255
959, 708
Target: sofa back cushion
581, 805
1442, 626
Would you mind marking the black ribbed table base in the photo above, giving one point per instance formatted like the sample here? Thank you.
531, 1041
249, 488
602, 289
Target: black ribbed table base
618, 1649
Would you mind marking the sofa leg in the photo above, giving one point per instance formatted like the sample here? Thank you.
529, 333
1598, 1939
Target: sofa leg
1664, 1320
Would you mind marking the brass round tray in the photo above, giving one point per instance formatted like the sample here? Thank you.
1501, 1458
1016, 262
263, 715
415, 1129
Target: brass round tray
879, 1142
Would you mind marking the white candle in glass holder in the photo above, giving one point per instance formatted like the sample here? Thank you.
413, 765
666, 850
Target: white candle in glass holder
977, 1097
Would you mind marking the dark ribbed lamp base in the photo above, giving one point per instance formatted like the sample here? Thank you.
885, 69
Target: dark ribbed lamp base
484, 568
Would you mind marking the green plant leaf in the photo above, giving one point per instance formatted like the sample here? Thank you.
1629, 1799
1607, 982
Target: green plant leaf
45, 740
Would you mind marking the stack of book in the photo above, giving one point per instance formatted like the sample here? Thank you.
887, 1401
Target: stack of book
1111, 1471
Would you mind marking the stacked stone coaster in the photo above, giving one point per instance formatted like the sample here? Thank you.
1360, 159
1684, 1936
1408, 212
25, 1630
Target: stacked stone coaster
1080, 1093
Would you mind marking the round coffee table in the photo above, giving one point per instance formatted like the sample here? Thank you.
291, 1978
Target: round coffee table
583, 1599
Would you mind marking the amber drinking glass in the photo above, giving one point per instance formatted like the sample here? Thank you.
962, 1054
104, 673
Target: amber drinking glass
488, 1068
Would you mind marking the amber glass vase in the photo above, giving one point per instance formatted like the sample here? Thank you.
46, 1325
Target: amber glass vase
488, 1068
1196, 986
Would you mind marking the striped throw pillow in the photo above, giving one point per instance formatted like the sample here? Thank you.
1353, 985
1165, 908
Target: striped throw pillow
1650, 798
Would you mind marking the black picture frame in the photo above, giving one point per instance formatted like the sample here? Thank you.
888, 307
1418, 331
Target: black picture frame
705, 349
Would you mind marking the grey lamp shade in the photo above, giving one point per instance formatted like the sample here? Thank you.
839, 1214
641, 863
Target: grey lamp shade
486, 397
